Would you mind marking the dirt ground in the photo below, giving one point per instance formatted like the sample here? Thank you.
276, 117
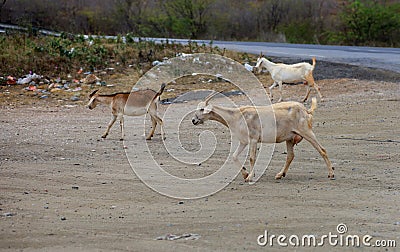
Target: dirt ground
63, 188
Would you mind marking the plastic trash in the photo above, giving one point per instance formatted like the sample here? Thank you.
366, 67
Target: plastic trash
31, 88
156, 63
28, 78
11, 80
248, 67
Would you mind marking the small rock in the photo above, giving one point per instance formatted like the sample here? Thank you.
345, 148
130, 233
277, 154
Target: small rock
74, 98
75, 187
63, 218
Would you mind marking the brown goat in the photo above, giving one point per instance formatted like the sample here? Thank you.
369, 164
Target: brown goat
139, 103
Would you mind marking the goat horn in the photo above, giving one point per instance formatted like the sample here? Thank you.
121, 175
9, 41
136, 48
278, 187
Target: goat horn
208, 98
92, 93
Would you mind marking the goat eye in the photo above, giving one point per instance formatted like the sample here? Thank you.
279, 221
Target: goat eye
201, 110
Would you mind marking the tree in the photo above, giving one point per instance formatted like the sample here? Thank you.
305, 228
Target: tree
187, 17
370, 23
1, 5
131, 13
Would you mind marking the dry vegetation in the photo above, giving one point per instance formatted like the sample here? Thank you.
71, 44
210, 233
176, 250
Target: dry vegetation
355, 22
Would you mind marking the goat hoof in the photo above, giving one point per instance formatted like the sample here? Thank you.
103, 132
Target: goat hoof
331, 177
121, 139
103, 136
278, 176
248, 179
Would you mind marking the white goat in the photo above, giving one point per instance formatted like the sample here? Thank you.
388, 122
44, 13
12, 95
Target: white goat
252, 125
136, 103
289, 74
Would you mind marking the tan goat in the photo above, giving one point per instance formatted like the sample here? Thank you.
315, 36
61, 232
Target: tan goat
252, 125
293, 73
135, 103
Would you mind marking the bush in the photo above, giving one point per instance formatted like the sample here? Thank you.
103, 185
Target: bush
370, 23
60, 56
301, 33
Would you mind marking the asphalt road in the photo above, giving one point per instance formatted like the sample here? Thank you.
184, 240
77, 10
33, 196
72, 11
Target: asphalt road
376, 57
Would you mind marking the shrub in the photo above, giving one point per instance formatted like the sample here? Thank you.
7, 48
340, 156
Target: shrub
370, 23
60, 56
301, 33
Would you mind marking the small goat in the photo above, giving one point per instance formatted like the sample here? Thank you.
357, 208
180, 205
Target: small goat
139, 103
289, 74
252, 125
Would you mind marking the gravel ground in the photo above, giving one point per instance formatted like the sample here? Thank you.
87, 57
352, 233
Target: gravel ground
63, 188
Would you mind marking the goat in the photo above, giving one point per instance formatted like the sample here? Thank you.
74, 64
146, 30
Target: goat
139, 103
289, 74
255, 124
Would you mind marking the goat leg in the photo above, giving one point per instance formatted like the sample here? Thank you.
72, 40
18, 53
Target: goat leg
109, 126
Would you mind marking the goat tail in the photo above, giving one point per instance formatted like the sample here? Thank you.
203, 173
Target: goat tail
313, 106
313, 61
311, 112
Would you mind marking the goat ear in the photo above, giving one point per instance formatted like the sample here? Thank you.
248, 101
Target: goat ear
261, 55
91, 94
207, 109
208, 98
